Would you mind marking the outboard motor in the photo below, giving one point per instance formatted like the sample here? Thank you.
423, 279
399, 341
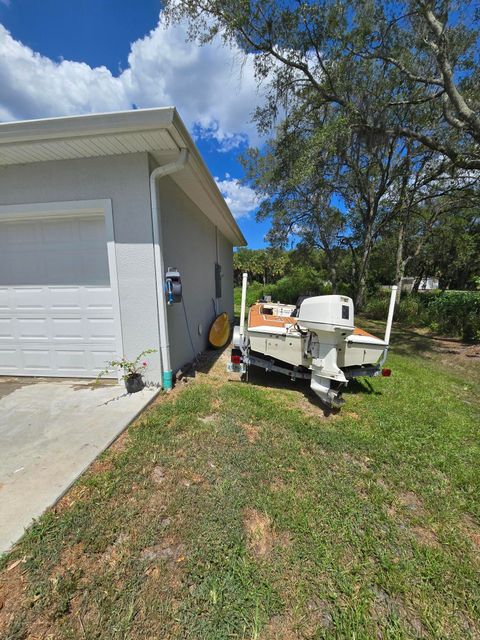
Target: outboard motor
329, 320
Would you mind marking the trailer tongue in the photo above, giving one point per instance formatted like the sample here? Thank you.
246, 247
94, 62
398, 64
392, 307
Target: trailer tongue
316, 341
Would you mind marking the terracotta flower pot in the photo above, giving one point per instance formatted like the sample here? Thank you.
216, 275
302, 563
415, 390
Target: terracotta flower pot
134, 383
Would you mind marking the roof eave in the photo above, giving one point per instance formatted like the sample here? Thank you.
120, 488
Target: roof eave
83, 125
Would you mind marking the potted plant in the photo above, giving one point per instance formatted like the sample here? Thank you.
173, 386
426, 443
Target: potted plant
132, 370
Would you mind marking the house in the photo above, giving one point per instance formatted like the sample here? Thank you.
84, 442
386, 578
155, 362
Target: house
93, 211
426, 284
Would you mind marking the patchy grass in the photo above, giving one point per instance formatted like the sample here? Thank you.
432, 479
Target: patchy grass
234, 510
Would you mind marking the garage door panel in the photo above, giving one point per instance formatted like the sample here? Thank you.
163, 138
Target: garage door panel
70, 329
56, 305
6, 330
68, 360
32, 329
64, 300
9, 360
37, 359
100, 330
4, 299
98, 299
22, 299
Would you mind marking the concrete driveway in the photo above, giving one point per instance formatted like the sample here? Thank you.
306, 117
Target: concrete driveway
50, 432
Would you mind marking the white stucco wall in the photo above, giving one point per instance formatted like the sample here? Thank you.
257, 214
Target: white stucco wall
123, 179
190, 246
225, 258
191, 243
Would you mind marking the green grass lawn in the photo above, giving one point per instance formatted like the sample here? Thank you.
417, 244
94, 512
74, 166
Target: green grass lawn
235, 510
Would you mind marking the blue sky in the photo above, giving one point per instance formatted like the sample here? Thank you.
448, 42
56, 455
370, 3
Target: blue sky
62, 57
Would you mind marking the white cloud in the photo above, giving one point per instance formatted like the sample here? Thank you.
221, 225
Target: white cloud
34, 86
241, 199
5, 2
212, 86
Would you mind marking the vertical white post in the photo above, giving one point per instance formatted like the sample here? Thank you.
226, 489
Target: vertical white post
244, 300
391, 308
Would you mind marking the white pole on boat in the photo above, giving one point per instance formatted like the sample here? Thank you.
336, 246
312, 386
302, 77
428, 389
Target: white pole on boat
391, 309
244, 300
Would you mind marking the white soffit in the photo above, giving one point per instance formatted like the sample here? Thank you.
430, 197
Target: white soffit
86, 146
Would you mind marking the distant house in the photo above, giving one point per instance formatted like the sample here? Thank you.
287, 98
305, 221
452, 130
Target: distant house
426, 284
93, 211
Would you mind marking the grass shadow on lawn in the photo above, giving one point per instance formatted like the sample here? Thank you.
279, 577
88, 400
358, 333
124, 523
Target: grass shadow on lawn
271, 380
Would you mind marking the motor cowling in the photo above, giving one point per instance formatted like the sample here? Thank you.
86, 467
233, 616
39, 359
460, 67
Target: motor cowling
327, 313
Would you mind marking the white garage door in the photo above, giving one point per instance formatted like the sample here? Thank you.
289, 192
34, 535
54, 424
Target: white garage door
56, 306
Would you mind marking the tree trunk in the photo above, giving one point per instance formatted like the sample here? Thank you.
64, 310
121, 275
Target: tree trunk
334, 278
362, 276
362, 272
332, 267
418, 279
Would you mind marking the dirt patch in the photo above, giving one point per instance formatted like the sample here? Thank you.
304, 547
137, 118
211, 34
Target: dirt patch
164, 551
411, 502
472, 530
384, 605
13, 585
115, 551
280, 627
258, 528
72, 569
277, 485
458, 356
9, 385
425, 536
94, 384
318, 617
252, 432
362, 462
192, 478
351, 414
207, 419
315, 616
158, 475
312, 407
473, 351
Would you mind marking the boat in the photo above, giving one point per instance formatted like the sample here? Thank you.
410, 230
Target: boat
315, 339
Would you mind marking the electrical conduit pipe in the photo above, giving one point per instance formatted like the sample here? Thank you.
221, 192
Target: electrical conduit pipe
391, 309
161, 172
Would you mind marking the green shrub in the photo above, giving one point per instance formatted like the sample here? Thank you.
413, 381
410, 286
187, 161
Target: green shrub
408, 311
301, 282
452, 313
455, 313
377, 307
254, 292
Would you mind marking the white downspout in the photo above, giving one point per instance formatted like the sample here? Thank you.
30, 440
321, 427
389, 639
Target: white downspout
156, 174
